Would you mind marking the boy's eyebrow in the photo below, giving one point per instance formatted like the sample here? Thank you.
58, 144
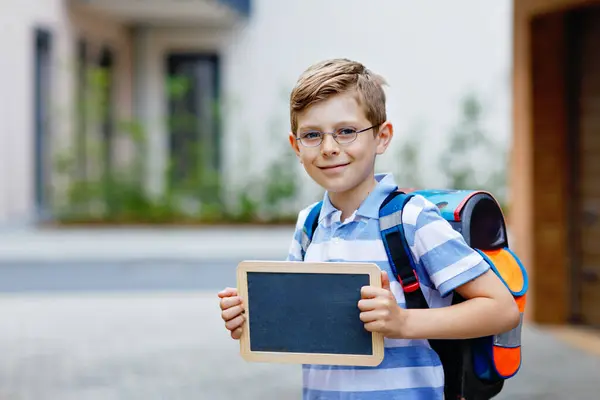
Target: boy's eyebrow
337, 125
307, 128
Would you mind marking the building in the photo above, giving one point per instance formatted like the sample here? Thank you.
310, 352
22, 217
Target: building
63, 52
555, 181
243, 55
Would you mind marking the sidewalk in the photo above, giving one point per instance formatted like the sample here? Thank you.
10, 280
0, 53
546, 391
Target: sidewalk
172, 346
81, 244
553, 368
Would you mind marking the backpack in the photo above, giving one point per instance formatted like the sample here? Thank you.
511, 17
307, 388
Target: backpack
474, 369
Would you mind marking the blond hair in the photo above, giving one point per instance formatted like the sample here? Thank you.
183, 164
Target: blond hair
330, 77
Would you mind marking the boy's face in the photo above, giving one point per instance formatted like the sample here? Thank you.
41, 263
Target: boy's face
340, 167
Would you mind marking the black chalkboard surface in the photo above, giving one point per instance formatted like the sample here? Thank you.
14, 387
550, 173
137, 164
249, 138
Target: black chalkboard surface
302, 312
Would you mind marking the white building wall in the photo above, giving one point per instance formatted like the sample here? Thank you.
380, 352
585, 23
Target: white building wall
18, 19
430, 52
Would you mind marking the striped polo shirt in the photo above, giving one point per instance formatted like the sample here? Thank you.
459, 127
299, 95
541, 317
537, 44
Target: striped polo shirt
410, 369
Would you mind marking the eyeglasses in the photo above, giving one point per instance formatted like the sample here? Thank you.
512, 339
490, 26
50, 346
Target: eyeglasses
343, 136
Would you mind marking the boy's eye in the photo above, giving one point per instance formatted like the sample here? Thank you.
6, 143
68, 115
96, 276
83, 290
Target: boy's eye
346, 131
311, 135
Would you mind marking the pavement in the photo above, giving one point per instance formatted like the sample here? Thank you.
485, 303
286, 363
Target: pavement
128, 346
210, 243
133, 314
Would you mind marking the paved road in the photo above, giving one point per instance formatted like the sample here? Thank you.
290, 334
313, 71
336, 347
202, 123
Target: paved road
143, 244
170, 274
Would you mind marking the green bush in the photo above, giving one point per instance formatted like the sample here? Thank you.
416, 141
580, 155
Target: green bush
190, 195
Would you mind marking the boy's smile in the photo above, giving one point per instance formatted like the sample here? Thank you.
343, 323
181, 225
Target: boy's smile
334, 168
345, 168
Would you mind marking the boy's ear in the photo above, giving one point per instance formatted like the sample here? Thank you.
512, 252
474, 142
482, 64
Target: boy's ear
384, 137
294, 143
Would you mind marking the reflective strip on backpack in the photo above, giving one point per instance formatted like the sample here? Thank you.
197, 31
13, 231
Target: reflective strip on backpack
389, 221
511, 338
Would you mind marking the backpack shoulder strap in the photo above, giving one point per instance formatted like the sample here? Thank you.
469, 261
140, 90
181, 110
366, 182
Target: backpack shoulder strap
397, 249
310, 225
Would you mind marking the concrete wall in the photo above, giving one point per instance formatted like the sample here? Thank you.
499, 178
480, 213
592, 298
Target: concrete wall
18, 19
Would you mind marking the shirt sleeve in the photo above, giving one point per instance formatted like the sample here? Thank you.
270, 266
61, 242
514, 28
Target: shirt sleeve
440, 250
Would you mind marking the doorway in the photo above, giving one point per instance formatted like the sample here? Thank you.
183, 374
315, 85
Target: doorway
583, 80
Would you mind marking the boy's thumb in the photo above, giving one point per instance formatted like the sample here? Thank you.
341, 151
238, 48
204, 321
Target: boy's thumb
385, 280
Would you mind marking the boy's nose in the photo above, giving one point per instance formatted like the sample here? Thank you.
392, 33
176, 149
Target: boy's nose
329, 146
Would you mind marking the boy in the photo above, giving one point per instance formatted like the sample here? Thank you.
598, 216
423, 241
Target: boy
339, 126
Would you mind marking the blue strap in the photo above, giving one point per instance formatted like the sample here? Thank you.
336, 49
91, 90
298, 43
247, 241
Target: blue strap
310, 225
399, 255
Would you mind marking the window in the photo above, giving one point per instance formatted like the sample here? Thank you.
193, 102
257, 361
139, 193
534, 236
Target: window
192, 90
104, 81
81, 110
42, 96
94, 110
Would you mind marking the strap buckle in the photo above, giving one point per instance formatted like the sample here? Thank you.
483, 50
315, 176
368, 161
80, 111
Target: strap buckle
412, 286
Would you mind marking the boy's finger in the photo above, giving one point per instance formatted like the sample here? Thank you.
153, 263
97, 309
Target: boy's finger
374, 326
368, 316
367, 304
232, 312
369, 292
385, 280
235, 323
227, 292
236, 334
229, 302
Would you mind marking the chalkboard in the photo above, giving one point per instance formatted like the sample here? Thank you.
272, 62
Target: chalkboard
300, 312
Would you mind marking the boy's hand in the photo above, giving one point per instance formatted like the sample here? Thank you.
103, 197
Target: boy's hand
380, 311
232, 311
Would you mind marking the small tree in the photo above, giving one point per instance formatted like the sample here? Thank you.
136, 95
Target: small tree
408, 161
472, 159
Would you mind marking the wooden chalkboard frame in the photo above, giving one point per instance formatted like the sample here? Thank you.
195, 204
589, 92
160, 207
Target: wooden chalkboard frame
244, 267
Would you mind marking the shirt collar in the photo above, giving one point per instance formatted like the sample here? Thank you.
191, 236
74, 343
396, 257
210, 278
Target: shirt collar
369, 208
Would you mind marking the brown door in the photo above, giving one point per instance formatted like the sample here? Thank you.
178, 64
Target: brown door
585, 134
